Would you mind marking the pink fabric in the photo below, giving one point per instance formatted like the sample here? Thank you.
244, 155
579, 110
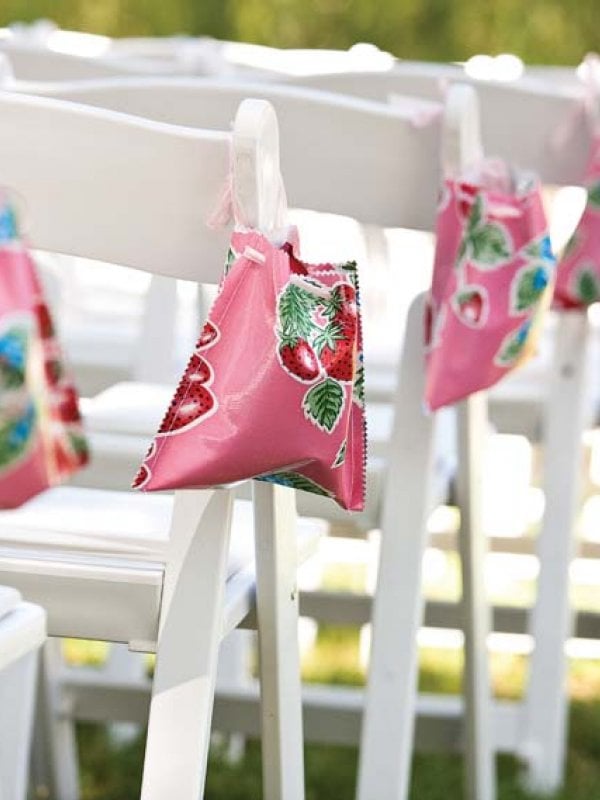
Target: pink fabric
274, 387
578, 278
41, 439
492, 277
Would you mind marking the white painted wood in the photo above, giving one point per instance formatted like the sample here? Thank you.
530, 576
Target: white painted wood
22, 632
55, 768
184, 678
520, 119
145, 177
279, 657
387, 735
398, 158
462, 149
154, 357
545, 720
259, 202
480, 756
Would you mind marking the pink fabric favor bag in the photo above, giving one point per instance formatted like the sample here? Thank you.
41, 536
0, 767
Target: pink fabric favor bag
274, 388
578, 277
41, 438
492, 279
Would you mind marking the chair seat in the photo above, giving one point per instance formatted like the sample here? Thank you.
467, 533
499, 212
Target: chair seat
9, 600
95, 558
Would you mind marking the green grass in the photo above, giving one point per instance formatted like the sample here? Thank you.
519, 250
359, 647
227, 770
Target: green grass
111, 771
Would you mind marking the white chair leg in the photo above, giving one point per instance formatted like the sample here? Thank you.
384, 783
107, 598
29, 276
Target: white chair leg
279, 656
546, 706
154, 360
122, 664
55, 769
190, 629
388, 722
17, 693
480, 765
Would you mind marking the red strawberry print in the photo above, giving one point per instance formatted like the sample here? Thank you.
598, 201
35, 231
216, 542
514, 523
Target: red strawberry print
339, 361
53, 371
44, 320
192, 401
300, 360
142, 477
466, 198
471, 306
68, 407
198, 370
296, 265
63, 458
210, 334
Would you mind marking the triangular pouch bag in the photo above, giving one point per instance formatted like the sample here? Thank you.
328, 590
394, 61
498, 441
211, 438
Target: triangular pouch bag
41, 438
578, 277
274, 388
492, 280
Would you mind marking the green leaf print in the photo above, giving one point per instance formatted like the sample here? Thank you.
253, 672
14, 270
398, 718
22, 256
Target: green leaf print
476, 216
531, 284
489, 244
341, 456
593, 196
588, 286
512, 346
295, 305
296, 481
358, 389
230, 260
323, 404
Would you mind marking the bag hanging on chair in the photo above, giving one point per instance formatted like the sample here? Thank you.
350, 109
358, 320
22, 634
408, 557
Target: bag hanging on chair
492, 280
41, 437
274, 389
578, 276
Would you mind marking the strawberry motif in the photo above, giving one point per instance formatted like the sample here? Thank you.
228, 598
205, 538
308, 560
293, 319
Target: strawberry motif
339, 361
198, 370
53, 371
142, 477
471, 306
466, 198
44, 320
210, 334
300, 360
189, 405
296, 265
68, 408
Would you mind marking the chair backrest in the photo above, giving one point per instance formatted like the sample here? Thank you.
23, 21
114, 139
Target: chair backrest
38, 59
520, 118
116, 188
341, 155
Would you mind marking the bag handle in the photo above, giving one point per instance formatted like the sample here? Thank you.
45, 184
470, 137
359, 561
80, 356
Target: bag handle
258, 194
461, 130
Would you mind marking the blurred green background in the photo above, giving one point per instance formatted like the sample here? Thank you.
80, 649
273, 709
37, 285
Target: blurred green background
539, 31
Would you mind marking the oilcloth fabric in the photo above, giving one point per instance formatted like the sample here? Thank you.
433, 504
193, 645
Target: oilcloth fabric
492, 281
275, 386
578, 275
41, 436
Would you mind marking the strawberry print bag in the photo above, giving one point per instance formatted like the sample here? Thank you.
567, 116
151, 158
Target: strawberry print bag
41, 438
578, 276
274, 388
492, 278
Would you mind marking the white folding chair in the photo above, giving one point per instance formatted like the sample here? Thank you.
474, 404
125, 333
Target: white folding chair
22, 632
196, 103
519, 122
110, 565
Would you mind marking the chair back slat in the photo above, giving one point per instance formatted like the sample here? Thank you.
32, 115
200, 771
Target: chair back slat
358, 158
115, 188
